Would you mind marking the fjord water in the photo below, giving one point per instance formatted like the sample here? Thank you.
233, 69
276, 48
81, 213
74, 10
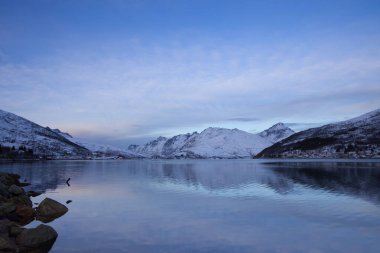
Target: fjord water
212, 205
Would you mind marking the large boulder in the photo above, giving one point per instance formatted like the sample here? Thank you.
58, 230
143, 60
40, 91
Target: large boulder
39, 239
49, 209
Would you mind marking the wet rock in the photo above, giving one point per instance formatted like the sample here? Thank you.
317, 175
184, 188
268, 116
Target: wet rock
69, 201
33, 193
16, 209
6, 245
39, 239
15, 190
49, 209
25, 213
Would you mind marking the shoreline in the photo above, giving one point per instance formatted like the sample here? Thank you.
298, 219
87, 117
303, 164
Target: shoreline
17, 211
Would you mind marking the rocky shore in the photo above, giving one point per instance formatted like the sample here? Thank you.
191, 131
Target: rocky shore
16, 211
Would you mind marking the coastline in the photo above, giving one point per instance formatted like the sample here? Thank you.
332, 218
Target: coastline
17, 211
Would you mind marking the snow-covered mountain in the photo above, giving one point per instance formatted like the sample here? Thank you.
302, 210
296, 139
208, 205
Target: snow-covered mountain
17, 132
100, 150
213, 143
150, 149
355, 138
277, 132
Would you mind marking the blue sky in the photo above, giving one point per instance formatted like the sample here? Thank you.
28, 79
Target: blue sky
120, 72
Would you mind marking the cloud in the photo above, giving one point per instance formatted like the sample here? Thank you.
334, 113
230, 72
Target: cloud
141, 89
242, 119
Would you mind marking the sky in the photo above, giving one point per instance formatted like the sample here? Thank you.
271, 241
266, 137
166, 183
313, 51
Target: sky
122, 72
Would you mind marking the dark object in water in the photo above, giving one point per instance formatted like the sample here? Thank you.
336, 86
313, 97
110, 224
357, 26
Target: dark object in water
69, 201
49, 210
67, 181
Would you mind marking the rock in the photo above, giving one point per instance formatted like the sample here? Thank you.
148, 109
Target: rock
15, 230
22, 184
21, 199
25, 213
14, 176
5, 225
15, 190
39, 239
8, 179
69, 201
50, 209
7, 245
7, 208
4, 190
33, 193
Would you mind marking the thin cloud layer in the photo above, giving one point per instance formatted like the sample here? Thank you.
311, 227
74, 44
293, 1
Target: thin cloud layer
126, 88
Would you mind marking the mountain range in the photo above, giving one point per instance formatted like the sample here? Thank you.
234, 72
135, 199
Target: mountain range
213, 143
17, 132
355, 138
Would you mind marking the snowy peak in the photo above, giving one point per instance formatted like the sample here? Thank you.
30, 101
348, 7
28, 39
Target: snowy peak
277, 132
151, 149
176, 143
224, 143
213, 142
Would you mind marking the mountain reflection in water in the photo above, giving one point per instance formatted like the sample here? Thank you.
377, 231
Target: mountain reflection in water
358, 179
212, 205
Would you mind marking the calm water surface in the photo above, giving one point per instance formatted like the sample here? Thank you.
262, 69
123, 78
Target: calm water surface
212, 205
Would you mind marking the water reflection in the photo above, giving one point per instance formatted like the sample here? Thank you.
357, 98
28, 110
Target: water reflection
357, 179
212, 206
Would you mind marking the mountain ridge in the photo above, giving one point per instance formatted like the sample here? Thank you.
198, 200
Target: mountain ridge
358, 137
18, 131
213, 142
